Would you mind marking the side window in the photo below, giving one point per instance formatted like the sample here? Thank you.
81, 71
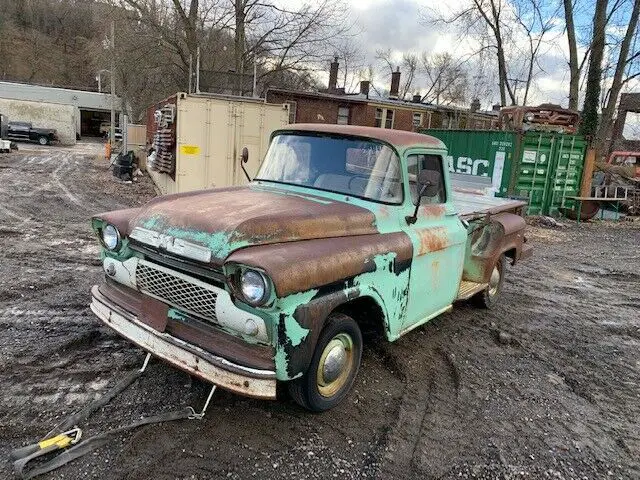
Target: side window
425, 161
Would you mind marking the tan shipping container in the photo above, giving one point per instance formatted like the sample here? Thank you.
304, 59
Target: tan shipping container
210, 132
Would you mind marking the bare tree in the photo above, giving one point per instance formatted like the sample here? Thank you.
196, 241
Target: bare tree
536, 23
287, 39
574, 67
625, 60
487, 19
351, 62
409, 68
447, 80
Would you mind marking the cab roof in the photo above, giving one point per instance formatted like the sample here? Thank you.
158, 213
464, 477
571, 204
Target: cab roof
398, 138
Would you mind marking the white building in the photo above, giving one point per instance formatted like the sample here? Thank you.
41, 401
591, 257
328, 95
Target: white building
90, 108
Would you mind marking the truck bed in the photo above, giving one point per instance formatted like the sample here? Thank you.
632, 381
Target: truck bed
472, 205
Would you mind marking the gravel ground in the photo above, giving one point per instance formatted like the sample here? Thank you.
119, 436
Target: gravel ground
547, 385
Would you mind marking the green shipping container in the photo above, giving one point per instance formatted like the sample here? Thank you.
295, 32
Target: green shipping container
549, 170
485, 153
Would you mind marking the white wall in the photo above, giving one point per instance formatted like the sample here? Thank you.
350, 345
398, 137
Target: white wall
43, 115
66, 96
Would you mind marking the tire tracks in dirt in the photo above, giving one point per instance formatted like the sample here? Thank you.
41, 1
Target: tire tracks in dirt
430, 396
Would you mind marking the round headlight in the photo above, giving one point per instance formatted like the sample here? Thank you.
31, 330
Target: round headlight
254, 286
111, 237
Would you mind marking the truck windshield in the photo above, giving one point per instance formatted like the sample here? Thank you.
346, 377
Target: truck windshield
356, 167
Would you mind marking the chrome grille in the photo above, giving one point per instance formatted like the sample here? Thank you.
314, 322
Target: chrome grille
176, 290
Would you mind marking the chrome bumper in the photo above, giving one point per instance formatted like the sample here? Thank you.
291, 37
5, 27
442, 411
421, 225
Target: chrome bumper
193, 360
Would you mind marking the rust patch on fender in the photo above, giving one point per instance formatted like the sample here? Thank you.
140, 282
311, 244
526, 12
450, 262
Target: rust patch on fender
301, 266
432, 240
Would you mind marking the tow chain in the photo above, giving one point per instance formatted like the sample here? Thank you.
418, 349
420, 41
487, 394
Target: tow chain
67, 436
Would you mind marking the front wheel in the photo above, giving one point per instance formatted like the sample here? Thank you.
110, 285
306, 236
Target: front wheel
489, 296
43, 140
333, 368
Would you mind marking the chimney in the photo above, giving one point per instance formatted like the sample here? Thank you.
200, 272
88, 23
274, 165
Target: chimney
333, 75
395, 83
364, 88
475, 105
417, 98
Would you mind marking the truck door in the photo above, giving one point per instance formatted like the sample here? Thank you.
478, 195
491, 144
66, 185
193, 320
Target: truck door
439, 240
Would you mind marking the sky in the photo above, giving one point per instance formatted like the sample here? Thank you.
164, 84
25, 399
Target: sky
403, 26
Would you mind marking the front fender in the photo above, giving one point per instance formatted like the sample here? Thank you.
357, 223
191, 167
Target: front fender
297, 333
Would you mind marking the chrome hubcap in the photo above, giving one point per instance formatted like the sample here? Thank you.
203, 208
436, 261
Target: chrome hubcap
494, 281
335, 364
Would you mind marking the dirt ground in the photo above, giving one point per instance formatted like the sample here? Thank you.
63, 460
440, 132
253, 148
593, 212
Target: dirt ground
547, 385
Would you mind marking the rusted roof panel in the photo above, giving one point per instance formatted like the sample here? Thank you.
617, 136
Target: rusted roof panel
399, 138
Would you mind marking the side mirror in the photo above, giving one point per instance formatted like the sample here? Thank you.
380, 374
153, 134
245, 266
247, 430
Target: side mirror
429, 186
429, 183
244, 158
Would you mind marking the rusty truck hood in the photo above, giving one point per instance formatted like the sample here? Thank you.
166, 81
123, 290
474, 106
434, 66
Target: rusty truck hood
224, 220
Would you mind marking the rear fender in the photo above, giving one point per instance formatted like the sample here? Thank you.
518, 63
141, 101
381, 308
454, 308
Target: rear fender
504, 232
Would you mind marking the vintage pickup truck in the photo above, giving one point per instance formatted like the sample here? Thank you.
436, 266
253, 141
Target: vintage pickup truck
342, 227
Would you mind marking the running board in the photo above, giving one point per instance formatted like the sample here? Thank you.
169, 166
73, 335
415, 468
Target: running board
469, 289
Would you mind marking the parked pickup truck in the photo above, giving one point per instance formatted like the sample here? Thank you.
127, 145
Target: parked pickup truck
24, 131
342, 227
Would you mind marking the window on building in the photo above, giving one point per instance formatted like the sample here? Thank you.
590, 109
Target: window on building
388, 122
292, 110
378, 122
384, 118
343, 115
417, 119
422, 161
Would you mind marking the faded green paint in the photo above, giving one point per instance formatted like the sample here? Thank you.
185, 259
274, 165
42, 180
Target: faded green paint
221, 244
283, 312
176, 314
123, 253
390, 288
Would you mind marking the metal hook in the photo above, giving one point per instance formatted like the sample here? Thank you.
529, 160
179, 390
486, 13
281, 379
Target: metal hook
198, 416
146, 362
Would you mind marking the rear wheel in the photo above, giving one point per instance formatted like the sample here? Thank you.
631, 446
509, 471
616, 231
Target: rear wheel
42, 140
333, 368
489, 296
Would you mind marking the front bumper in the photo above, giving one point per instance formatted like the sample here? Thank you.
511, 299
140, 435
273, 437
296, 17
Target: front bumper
189, 358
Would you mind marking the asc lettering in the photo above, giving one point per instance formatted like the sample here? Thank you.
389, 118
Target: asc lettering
469, 166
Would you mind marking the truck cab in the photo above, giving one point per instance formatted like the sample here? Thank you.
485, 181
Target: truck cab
343, 226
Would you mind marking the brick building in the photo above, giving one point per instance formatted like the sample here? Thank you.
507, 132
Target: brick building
333, 105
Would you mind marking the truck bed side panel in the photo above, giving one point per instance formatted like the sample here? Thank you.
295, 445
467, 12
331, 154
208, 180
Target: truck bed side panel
504, 233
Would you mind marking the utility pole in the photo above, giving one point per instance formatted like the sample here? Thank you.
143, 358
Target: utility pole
198, 70
255, 75
112, 136
190, 71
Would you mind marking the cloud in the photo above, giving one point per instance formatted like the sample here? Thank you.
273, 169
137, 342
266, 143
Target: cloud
393, 24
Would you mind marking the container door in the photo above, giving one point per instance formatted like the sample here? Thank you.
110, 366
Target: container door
219, 155
192, 135
550, 169
249, 130
568, 164
533, 171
